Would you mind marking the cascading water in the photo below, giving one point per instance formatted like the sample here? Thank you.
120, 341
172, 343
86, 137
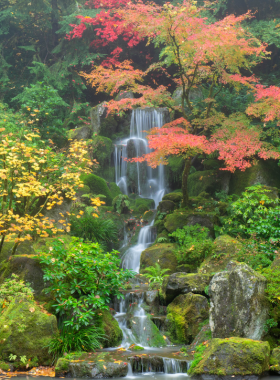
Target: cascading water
148, 183
138, 177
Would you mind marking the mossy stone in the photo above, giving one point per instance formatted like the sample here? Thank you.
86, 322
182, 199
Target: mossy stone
173, 197
226, 249
112, 330
264, 172
101, 150
115, 190
26, 330
81, 133
231, 357
148, 337
200, 181
98, 186
183, 217
161, 253
166, 206
184, 315
275, 360
183, 283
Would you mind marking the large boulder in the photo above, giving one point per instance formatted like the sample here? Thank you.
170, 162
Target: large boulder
173, 197
81, 133
226, 249
231, 357
184, 316
181, 218
238, 305
182, 283
26, 330
166, 206
161, 253
98, 186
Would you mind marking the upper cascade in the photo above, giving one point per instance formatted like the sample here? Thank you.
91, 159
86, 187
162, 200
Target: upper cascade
135, 177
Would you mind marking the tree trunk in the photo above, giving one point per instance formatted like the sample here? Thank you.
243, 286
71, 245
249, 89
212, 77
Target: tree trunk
185, 176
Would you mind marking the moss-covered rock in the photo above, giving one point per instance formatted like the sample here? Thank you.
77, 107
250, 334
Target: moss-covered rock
161, 253
200, 181
148, 337
182, 217
231, 357
238, 302
226, 249
81, 133
184, 315
98, 186
101, 150
112, 330
183, 283
264, 172
173, 197
97, 366
166, 206
142, 205
26, 329
275, 360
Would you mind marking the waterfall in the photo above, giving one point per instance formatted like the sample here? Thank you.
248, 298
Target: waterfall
149, 183
140, 364
138, 177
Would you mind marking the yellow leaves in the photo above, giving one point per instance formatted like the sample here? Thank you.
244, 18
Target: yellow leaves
262, 202
81, 212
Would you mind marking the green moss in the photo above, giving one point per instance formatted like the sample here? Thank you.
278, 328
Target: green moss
98, 186
115, 190
162, 253
275, 360
61, 367
183, 217
26, 330
137, 348
185, 315
174, 197
108, 126
112, 330
102, 148
232, 356
201, 181
174, 171
4, 366
265, 172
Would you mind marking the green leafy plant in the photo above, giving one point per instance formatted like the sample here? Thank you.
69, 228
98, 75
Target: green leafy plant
269, 323
121, 204
44, 109
69, 340
82, 280
88, 227
12, 357
162, 240
194, 244
23, 359
12, 287
156, 274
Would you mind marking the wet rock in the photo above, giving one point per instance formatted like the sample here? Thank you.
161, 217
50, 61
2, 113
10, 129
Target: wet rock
26, 330
184, 316
226, 249
275, 360
96, 115
238, 305
146, 332
181, 218
166, 206
182, 283
231, 357
151, 298
98, 367
161, 253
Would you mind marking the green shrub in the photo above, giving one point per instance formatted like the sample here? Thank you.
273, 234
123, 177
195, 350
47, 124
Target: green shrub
121, 204
194, 244
198, 355
115, 190
102, 231
45, 110
98, 186
82, 279
12, 287
69, 340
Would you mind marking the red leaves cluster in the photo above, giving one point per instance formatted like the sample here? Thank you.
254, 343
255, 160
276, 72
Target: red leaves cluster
267, 106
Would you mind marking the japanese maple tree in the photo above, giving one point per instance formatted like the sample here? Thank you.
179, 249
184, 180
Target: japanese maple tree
194, 54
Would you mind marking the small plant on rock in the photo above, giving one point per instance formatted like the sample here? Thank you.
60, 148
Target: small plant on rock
12, 287
156, 275
121, 204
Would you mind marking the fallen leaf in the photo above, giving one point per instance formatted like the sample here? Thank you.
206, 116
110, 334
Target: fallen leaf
32, 309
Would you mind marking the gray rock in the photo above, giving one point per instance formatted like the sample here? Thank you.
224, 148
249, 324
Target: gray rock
81, 133
151, 297
238, 306
96, 115
125, 95
183, 283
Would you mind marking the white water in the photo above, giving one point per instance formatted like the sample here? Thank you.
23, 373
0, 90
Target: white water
149, 184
